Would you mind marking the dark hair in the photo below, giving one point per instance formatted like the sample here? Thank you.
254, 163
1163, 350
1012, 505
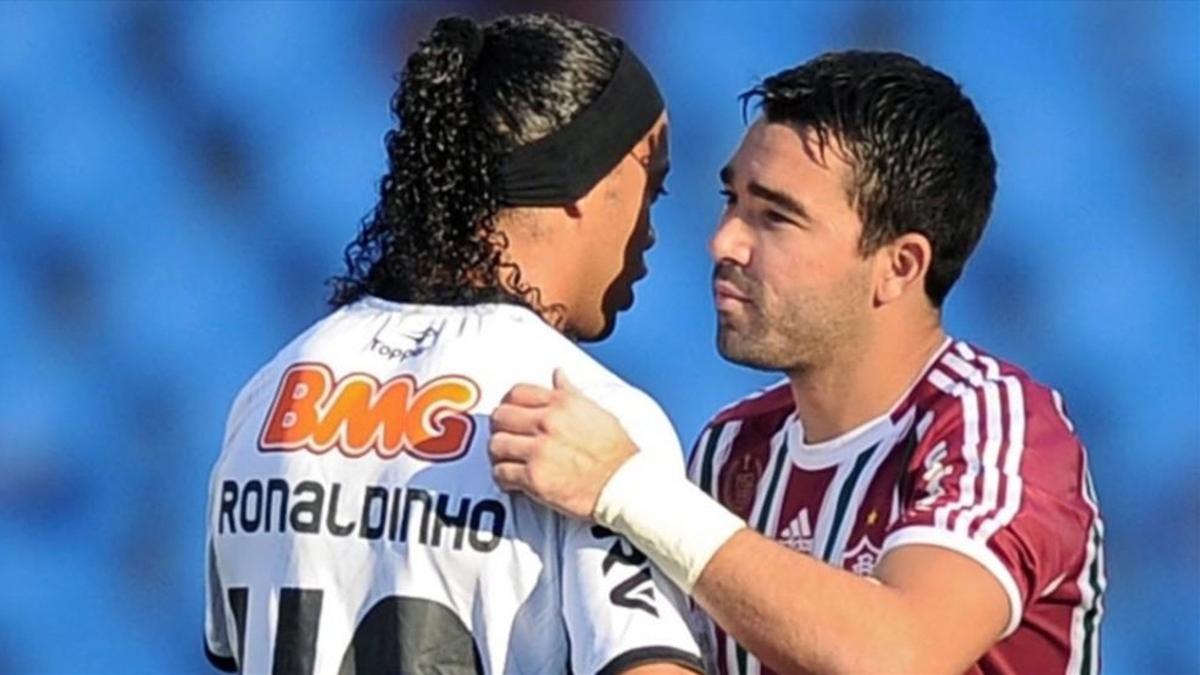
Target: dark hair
920, 155
468, 95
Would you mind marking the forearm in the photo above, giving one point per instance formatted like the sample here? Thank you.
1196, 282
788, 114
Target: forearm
794, 612
797, 614
934, 607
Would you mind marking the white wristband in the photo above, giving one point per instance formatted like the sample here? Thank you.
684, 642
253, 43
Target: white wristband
670, 520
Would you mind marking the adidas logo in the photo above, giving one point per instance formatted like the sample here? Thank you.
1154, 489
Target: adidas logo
798, 534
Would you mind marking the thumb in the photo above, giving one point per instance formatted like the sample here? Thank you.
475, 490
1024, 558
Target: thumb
561, 382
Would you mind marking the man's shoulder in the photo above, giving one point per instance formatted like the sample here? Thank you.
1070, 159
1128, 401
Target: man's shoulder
377, 342
966, 382
496, 345
642, 417
772, 400
744, 428
972, 401
638, 412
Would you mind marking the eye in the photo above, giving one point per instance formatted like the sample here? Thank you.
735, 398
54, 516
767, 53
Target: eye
779, 219
730, 198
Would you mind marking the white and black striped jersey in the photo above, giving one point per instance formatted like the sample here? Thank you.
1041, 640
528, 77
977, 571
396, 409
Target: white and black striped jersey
353, 525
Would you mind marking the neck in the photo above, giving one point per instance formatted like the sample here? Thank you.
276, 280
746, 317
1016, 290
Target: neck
861, 384
534, 265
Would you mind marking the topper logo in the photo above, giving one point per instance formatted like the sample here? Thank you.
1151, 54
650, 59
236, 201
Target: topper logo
358, 414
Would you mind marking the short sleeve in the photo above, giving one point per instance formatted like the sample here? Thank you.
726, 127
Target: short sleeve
216, 637
1002, 486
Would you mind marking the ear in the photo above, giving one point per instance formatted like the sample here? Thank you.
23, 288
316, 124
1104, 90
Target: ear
903, 265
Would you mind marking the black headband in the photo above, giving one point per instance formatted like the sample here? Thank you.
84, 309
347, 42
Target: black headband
564, 166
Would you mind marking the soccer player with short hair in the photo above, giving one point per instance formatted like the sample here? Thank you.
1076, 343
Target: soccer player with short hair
902, 502
353, 524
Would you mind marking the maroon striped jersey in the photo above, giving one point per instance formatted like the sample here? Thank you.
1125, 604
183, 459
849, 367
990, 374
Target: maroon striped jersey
976, 457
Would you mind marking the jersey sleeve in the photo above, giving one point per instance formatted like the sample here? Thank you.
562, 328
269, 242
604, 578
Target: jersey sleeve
217, 646
620, 610
998, 478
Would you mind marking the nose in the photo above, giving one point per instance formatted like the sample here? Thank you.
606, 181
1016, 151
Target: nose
731, 242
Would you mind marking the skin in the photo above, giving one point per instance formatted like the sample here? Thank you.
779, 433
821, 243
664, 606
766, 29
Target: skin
585, 257
795, 293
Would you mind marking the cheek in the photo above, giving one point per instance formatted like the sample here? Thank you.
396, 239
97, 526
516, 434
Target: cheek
609, 251
784, 260
807, 259
796, 277
626, 227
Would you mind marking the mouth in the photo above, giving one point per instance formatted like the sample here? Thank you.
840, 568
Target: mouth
728, 299
726, 296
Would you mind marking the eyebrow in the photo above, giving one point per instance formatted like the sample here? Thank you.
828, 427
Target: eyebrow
781, 199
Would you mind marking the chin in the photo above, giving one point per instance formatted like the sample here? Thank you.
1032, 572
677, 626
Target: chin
737, 350
596, 334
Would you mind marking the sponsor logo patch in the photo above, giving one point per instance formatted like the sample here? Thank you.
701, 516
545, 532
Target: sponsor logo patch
358, 414
798, 535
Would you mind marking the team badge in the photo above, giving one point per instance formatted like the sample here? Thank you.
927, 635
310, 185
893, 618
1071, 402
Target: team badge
862, 558
740, 485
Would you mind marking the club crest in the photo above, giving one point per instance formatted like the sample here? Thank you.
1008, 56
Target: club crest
862, 558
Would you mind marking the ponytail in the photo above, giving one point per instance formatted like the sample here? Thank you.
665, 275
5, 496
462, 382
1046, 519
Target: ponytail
441, 180
468, 96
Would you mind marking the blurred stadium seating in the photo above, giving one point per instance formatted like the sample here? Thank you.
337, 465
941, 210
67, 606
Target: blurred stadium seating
177, 180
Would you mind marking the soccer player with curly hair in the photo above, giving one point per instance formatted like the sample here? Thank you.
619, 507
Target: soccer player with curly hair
353, 524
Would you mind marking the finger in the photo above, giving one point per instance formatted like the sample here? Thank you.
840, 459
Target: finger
561, 382
510, 476
528, 395
516, 419
504, 447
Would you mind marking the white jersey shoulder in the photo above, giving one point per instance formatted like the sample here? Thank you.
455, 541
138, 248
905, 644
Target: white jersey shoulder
354, 527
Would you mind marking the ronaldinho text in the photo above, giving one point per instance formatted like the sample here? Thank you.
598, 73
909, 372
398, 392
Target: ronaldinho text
405, 515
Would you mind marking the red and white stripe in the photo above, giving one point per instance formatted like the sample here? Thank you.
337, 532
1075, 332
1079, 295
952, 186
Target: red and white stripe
696, 458
1014, 433
753, 396
1062, 409
1089, 598
993, 412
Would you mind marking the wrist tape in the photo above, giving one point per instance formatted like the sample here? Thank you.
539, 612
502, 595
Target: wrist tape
665, 516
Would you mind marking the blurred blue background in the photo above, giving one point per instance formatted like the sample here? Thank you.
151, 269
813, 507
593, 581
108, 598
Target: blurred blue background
178, 180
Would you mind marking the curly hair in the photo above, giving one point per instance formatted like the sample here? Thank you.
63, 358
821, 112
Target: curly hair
920, 154
468, 95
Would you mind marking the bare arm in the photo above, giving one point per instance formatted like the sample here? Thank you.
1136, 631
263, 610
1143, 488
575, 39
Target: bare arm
929, 610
